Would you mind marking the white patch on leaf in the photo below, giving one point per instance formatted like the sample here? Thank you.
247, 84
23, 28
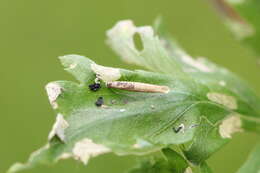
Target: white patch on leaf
241, 30
65, 156
107, 74
188, 170
58, 128
86, 148
196, 63
53, 92
121, 110
235, 1
226, 100
222, 83
229, 126
72, 66
140, 143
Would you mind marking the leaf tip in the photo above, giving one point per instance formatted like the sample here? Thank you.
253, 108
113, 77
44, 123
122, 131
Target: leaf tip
72, 60
68, 61
17, 167
53, 91
123, 25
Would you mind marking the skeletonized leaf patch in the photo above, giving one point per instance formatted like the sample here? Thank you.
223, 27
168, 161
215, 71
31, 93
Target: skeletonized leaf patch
53, 91
230, 125
86, 148
58, 128
226, 100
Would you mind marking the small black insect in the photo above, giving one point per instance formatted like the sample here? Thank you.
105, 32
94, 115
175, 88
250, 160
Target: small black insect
179, 128
94, 86
99, 102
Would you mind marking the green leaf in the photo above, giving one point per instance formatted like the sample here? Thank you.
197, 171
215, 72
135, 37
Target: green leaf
242, 17
153, 56
82, 71
204, 102
252, 165
214, 77
202, 168
206, 141
170, 162
177, 163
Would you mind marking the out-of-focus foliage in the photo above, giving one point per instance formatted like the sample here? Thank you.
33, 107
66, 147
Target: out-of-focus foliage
242, 17
252, 164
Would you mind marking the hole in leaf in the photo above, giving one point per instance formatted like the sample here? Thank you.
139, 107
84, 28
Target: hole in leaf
138, 42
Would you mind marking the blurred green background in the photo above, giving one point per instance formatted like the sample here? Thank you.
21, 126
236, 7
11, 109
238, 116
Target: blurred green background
34, 33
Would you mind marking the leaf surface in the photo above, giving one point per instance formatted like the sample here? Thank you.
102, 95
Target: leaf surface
207, 103
169, 162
